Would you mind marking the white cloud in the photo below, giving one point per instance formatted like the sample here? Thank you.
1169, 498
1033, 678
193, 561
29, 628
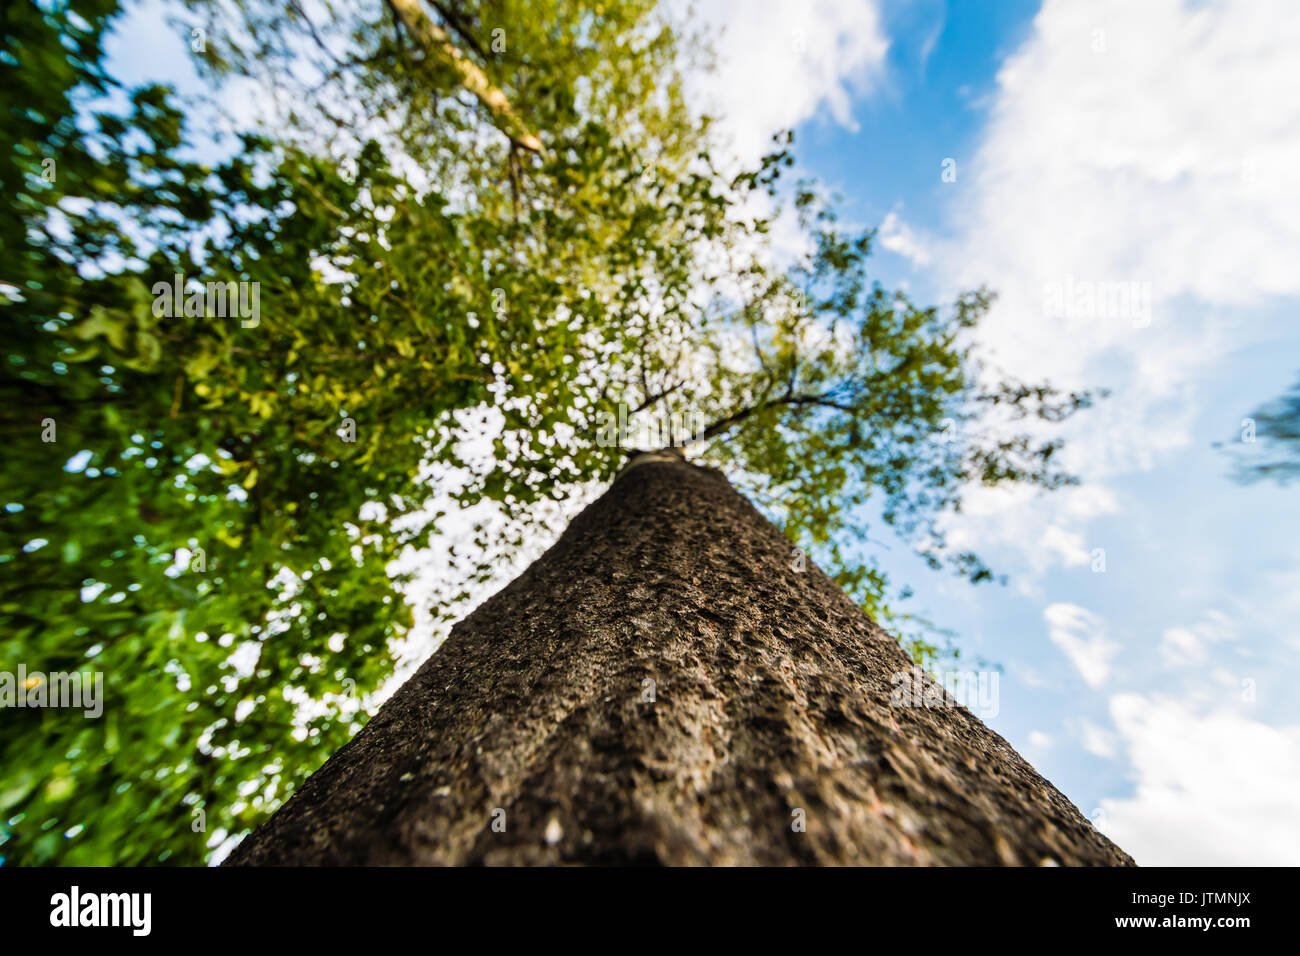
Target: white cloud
896, 236
1039, 740
1161, 155
1098, 742
1067, 545
1168, 153
1161, 158
1181, 648
1044, 531
1088, 501
779, 64
1081, 636
1190, 646
1212, 789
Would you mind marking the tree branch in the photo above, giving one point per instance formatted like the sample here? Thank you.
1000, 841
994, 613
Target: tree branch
656, 397
438, 44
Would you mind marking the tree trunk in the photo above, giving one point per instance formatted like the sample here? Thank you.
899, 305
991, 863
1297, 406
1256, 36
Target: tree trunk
768, 736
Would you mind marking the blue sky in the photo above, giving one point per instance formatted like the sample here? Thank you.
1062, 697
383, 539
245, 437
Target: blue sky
1103, 142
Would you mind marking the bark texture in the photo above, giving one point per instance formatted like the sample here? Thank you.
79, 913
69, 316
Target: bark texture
772, 695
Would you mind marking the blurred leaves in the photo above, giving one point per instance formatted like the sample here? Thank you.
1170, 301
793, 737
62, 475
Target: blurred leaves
1268, 446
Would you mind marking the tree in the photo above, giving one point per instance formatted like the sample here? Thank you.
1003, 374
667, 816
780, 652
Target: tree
1276, 427
204, 503
666, 685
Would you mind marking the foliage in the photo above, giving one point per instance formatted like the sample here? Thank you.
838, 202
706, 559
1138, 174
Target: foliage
1272, 433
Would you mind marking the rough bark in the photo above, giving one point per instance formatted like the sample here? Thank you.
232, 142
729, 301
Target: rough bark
772, 694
